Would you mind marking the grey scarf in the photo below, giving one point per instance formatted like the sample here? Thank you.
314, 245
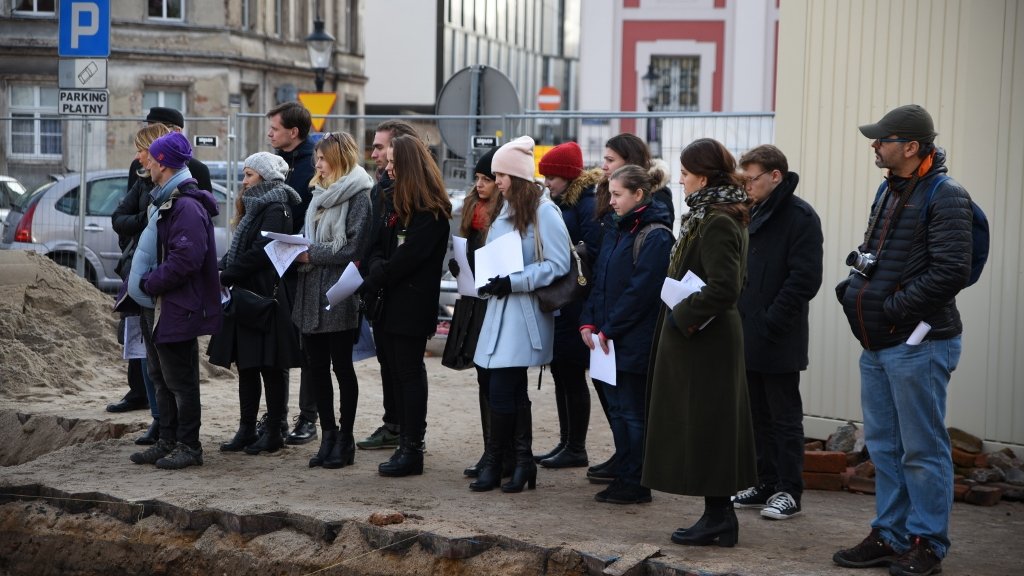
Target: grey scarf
254, 199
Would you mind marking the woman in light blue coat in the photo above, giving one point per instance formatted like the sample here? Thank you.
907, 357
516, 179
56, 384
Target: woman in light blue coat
516, 334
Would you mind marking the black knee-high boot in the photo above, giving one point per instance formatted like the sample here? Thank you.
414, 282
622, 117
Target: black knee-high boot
574, 454
502, 430
718, 525
562, 404
485, 424
525, 473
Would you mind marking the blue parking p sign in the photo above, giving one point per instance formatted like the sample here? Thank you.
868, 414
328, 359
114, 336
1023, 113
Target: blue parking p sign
84, 29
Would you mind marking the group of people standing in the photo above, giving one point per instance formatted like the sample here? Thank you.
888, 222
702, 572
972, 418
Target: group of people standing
706, 397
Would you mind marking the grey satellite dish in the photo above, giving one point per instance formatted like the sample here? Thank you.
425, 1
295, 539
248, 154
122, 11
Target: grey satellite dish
474, 91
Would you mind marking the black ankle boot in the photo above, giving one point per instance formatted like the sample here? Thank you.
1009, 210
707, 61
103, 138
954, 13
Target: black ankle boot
490, 474
271, 441
718, 525
570, 457
327, 441
525, 474
406, 461
245, 436
151, 436
574, 454
343, 452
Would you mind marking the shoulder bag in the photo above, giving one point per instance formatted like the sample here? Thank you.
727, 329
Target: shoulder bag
565, 289
252, 310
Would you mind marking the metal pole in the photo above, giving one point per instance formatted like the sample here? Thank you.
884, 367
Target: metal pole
232, 184
474, 110
82, 199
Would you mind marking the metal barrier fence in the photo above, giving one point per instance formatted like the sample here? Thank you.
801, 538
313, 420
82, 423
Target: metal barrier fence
48, 154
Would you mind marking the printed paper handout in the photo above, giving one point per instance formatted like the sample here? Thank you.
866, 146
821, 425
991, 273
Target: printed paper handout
501, 257
284, 248
134, 345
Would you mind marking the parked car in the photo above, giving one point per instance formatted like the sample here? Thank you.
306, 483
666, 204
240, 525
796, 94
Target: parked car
11, 192
46, 221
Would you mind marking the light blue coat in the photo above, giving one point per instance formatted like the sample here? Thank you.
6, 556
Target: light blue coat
515, 332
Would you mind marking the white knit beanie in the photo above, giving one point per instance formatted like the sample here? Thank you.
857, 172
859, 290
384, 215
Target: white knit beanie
268, 166
515, 158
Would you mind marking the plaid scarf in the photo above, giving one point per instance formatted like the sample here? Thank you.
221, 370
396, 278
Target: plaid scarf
690, 222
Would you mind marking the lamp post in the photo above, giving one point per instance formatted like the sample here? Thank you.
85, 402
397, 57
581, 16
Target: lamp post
321, 49
650, 97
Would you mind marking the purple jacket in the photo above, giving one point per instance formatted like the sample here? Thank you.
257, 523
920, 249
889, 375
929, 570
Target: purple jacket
185, 280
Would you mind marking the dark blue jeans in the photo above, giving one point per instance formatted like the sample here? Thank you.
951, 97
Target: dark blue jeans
626, 403
508, 389
778, 415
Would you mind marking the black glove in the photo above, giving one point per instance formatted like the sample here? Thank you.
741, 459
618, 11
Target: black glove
499, 286
453, 267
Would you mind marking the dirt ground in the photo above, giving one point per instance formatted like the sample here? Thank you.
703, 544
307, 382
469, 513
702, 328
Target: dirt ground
56, 435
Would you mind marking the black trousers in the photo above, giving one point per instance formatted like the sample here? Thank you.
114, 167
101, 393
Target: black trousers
402, 365
391, 417
508, 389
251, 382
778, 415
174, 369
136, 384
322, 352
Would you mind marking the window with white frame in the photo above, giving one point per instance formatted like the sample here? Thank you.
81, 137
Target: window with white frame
167, 98
35, 126
35, 7
167, 9
678, 84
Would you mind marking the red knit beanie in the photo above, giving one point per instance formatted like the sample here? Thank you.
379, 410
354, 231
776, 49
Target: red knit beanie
565, 160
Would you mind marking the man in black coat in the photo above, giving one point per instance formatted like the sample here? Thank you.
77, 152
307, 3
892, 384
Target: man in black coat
784, 267
288, 133
175, 121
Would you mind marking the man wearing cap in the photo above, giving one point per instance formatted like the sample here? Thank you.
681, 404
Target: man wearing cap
914, 259
175, 121
174, 278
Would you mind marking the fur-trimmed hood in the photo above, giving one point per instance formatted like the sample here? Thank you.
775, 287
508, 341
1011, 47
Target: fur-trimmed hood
659, 164
579, 185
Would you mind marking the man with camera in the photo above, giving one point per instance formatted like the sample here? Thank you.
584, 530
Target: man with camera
900, 301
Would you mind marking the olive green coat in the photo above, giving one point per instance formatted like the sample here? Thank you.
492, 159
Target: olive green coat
699, 437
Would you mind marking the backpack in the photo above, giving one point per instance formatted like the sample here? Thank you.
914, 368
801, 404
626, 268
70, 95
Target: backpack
642, 235
980, 237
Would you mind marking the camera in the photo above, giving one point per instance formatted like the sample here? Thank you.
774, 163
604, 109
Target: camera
863, 263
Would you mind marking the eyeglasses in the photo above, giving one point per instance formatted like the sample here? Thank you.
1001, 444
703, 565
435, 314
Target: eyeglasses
887, 140
754, 179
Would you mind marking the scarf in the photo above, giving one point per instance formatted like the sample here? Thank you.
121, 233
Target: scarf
327, 215
482, 214
254, 199
690, 222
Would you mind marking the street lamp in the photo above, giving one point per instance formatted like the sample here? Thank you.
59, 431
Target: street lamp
650, 97
321, 48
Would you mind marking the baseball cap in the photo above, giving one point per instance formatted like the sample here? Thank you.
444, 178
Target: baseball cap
910, 121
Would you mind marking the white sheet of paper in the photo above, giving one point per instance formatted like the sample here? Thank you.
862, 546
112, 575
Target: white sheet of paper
602, 366
501, 257
675, 291
282, 253
134, 345
288, 238
916, 337
466, 283
346, 286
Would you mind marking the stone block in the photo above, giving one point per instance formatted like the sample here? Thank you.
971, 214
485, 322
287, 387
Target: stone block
823, 481
964, 441
844, 439
862, 485
825, 461
1011, 492
865, 469
986, 475
984, 496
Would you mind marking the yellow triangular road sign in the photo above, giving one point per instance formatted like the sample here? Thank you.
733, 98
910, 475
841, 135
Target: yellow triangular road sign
319, 105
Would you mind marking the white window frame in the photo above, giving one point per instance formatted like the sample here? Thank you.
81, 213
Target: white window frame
35, 11
164, 16
161, 97
38, 113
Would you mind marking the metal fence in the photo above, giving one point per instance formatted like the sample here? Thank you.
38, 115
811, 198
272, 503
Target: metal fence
48, 154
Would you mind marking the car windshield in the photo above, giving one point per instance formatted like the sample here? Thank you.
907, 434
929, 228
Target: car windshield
26, 200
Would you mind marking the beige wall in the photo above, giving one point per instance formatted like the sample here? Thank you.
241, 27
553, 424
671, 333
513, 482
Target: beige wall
845, 63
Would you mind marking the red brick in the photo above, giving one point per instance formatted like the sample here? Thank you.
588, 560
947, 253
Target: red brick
865, 469
960, 491
963, 458
854, 458
984, 496
824, 461
862, 485
980, 461
823, 481
814, 445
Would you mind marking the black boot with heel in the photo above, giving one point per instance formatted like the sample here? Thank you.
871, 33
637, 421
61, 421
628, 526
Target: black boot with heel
490, 474
270, 441
328, 439
525, 473
245, 436
574, 454
718, 525
342, 453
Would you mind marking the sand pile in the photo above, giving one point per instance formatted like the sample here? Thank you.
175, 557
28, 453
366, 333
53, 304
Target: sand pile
57, 331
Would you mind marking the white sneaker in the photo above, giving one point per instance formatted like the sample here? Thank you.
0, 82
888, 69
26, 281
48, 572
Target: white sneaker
781, 506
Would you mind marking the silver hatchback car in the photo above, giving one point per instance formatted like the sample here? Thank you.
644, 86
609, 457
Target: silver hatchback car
46, 221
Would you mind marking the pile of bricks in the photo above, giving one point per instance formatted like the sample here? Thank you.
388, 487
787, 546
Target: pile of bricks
842, 463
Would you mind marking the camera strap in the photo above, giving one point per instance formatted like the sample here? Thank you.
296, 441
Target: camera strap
881, 200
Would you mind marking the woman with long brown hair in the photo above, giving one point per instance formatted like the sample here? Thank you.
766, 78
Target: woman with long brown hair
403, 275
700, 439
516, 334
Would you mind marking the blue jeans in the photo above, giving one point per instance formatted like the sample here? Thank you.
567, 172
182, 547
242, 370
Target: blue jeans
903, 396
626, 403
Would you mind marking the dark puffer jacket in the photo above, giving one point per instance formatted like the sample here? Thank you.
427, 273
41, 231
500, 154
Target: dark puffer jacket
924, 262
300, 173
783, 274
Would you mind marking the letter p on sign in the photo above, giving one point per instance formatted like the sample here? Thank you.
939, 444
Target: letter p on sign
84, 29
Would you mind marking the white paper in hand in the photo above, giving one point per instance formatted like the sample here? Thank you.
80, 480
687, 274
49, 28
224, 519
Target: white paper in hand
602, 366
346, 286
134, 345
287, 238
282, 254
466, 283
501, 257
675, 291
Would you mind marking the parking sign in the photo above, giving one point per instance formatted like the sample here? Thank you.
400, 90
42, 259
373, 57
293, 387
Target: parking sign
84, 28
